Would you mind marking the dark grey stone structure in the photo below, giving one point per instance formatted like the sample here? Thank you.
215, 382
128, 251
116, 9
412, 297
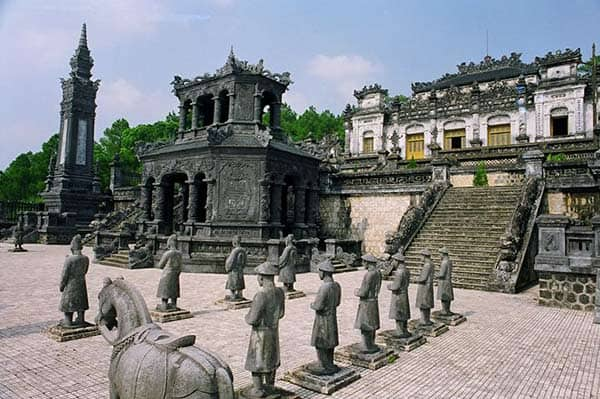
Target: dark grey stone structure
148, 362
72, 195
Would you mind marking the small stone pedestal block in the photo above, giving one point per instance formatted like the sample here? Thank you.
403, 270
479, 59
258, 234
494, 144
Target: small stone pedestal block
353, 355
453, 319
274, 393
433, 330
388, 339
171, 315
234, 305
294, 295
17, 249
62, 334
326, 384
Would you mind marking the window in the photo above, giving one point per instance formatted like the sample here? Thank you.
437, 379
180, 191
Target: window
499, 135
559, 126
415, 145
368, 145
454, 139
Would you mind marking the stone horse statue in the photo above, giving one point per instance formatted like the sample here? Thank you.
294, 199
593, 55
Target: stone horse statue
150, 363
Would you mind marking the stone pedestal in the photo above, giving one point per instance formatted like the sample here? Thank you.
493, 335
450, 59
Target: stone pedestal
274, 393
171, 315
17, 250
433, 330
388, 339
294, 295
326, 384
62, 334
453, 319
234, 305
353, 355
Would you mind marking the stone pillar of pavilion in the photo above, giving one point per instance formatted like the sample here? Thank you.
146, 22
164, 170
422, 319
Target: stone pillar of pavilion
217, 114
194, 115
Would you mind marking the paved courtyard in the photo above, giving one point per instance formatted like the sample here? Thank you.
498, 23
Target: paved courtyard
508, 348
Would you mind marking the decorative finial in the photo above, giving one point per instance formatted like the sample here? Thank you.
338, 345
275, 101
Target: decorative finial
231, 54
83, 38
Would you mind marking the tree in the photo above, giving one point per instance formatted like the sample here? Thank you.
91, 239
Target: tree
586, 67
480, 178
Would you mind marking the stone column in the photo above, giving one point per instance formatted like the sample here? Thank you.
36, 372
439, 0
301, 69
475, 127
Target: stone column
146, 201
265, 200
194, 115
313, 207
231, 106
193, 202
210, 187
276, 189
534, 161
257, 105
159, 207
276, 115
185, 191
115, 173
217, 114
182, 117
440, 170
299, 205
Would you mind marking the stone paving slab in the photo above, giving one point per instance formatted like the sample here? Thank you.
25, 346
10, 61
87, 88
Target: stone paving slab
509, 348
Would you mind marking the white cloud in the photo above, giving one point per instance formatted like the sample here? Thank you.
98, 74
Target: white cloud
345, 72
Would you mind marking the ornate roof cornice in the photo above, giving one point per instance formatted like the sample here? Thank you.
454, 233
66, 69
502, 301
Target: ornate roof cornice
374, 88
559, 57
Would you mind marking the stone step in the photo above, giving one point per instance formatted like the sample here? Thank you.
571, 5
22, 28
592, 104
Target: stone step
458, 265
462, 238
112, 262
454, 251
457, 261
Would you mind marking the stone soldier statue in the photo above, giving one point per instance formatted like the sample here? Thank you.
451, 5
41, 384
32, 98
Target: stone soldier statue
399, 305
168, 286
74, 296
445, 292
367, 317
287, 264
425, 289
267, 308
325, 329
18, 234
234, 266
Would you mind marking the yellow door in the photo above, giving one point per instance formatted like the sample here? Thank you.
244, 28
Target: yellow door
415, 146
367, 145
454, 139
499, 135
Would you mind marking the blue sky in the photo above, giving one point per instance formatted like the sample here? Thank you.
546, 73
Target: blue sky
330, 48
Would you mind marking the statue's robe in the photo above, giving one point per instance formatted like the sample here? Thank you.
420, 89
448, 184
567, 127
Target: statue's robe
234, 265
445, 291
367, 317
263, 350
325, 328
399, 305
287, 265
425, 288
168, 286
74, 296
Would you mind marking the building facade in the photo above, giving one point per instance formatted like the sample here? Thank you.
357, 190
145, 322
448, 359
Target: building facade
497, 102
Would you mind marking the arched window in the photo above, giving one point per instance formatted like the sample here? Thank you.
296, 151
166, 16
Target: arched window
415, 142
224, 105
368, 142
559, 122
267, 105
206, 110
187, 109
498, 129
454, 135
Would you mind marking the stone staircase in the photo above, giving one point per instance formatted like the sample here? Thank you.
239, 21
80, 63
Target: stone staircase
119, 259
470, 222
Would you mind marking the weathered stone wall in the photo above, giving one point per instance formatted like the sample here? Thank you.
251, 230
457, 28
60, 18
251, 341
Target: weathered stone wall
582, 205
374, 215
335, 217
572, 291
494, 179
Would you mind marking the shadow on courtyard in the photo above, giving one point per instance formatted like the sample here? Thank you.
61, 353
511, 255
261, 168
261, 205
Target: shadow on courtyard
26, 329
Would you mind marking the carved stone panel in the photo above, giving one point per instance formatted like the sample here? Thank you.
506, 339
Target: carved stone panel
238, 186
244, 106
552, 241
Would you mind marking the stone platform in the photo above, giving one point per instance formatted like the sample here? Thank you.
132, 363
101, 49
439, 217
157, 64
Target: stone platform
62, 334
352, 354
294, 295
275, 393
388, 339
453, 319
326, 384
432, 330
173, 315
234, 305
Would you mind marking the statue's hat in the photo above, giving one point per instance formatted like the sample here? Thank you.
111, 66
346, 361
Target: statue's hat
267, 269
76, 242
425, 252
369, 258
444, 250
326, 266
398, 256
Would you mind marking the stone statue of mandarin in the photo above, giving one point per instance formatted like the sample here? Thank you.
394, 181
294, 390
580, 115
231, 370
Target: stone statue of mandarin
367, 317
399, 305
325, 329
74, 296
234, 266
287, 264
425, 289
168, 286
445, 292
267, 308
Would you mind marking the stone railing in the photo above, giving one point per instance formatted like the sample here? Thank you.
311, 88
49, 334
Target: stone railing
568, 262
511, 271
414, 218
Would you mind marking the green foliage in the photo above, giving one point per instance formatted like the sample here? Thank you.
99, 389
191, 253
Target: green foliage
412, 164
25, 177
561, 157
480, 179
586, 67
392, 358
310, 124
